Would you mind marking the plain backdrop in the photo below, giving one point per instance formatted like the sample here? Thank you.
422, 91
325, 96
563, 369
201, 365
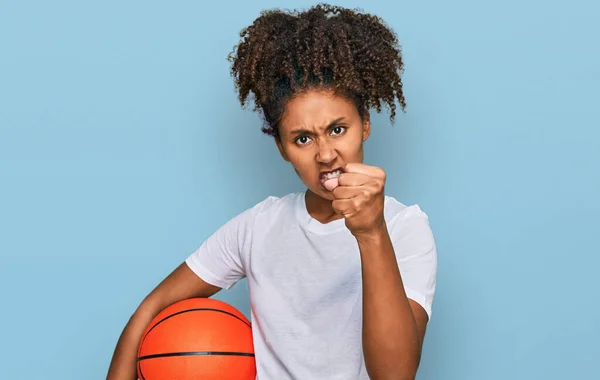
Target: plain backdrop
123, 146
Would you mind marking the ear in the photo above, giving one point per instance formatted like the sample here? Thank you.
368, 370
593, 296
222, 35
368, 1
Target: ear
366, 128
281, 151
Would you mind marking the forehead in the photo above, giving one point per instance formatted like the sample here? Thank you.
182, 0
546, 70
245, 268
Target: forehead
316, 109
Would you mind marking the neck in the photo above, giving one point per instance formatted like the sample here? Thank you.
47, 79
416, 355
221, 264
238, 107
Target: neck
320, 208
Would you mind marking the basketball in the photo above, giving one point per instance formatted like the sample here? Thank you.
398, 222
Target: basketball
197, 338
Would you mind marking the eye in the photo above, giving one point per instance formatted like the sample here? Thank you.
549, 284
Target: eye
302, 140
339, 130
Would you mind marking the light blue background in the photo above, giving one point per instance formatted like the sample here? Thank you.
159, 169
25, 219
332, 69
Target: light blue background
122, 146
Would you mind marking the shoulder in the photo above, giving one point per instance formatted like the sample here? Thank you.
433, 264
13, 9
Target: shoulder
264, 213
408, 226
397, 211
273, 205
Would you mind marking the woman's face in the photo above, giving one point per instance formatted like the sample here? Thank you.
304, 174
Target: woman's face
319, 133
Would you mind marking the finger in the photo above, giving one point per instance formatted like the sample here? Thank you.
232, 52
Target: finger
353, 179
349, 192
371, 171
343, 206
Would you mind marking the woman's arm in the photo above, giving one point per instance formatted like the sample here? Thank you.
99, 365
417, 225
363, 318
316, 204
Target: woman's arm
393, 325
181, 284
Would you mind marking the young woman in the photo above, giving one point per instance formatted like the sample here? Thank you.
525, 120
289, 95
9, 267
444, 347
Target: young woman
341, 276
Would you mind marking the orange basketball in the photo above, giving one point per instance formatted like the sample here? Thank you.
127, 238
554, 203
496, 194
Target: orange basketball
198, 338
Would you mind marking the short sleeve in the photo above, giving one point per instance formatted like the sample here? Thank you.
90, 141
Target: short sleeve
219, 259
416, 254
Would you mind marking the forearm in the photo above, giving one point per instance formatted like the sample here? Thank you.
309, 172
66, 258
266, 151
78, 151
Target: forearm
123, 363
390, 336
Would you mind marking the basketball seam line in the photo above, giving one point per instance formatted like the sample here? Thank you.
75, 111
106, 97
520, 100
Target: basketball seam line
190, 310
195, 353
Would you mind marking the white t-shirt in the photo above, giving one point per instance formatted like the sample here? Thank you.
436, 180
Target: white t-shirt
305, 283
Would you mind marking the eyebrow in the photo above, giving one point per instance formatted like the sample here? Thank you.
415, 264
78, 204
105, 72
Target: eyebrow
303, 131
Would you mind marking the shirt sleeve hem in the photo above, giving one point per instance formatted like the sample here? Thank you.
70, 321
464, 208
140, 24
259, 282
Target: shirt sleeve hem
420, 299
206, 275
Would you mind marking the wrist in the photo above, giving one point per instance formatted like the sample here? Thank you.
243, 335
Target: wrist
375, 235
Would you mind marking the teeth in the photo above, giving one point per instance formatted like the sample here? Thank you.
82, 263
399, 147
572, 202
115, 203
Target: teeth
331, 175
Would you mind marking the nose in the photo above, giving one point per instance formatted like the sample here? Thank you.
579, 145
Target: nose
326, 153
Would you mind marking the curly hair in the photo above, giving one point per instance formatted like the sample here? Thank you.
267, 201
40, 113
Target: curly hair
284, 53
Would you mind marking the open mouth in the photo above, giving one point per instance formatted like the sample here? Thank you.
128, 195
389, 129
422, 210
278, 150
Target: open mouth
330, 175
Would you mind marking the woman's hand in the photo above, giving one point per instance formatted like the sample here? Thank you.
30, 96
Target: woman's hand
359, 198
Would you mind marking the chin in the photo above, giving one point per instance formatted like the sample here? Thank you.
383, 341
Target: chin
323, 192
326, 195
318, 189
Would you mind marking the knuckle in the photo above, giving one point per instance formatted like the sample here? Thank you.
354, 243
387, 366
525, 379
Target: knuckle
382, 173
